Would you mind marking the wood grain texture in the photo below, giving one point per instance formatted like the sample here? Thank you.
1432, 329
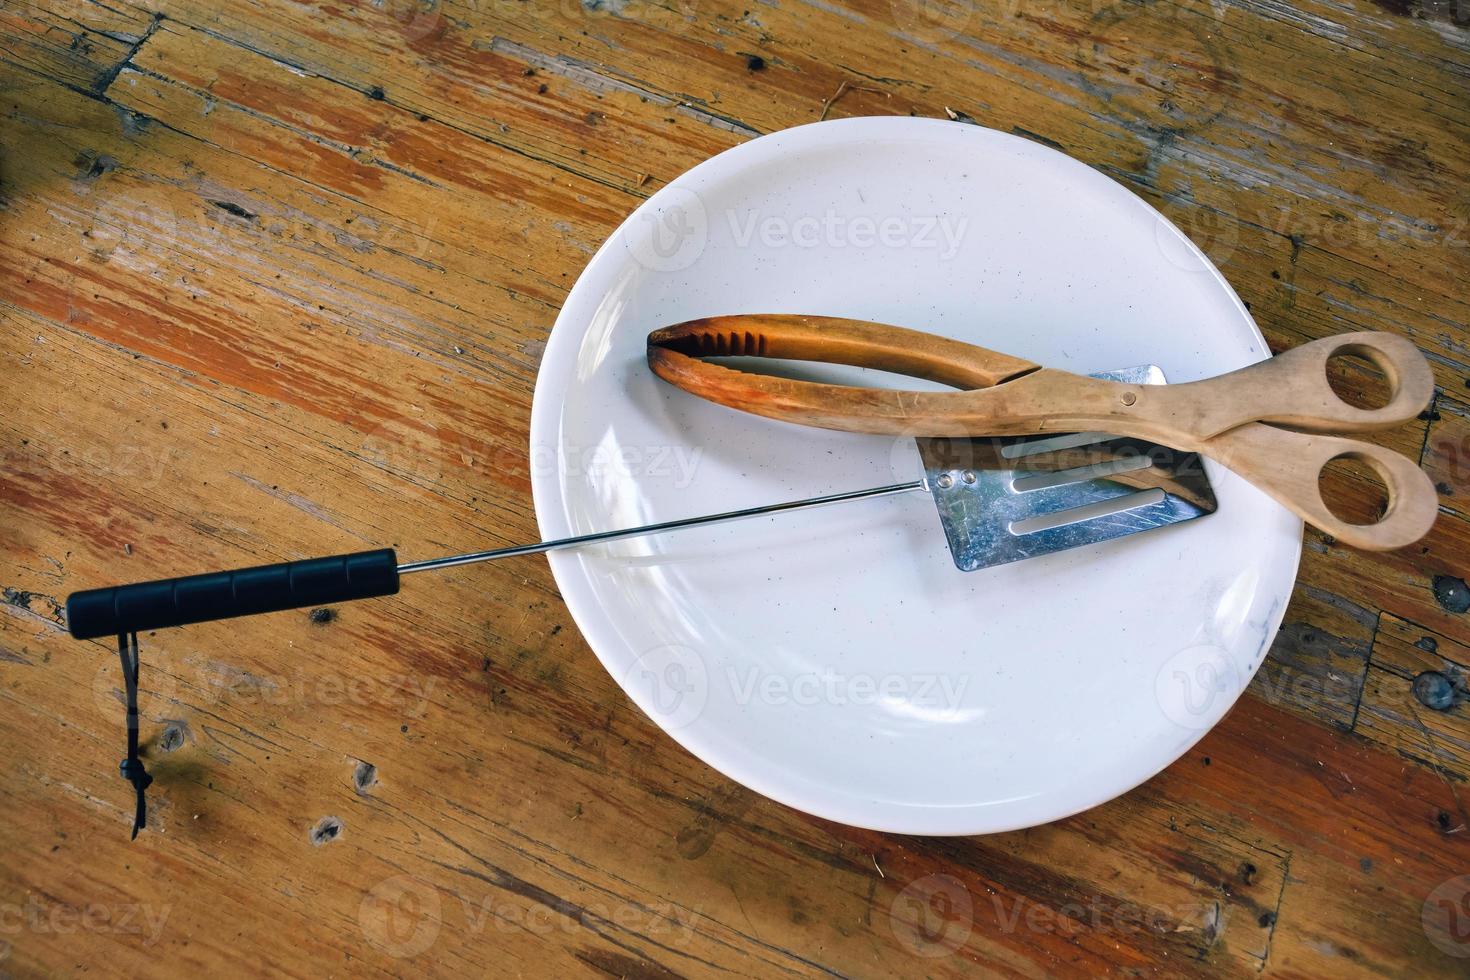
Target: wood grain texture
275, 279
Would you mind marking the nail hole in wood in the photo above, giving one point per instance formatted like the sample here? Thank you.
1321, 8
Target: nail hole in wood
364, 777
327, 829
171, 739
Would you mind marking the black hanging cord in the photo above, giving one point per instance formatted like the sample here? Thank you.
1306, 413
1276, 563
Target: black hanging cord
132, 767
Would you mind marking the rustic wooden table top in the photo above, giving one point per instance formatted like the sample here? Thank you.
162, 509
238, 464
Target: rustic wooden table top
277, 278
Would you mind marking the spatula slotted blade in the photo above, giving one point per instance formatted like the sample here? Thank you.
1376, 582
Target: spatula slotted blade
1004, 500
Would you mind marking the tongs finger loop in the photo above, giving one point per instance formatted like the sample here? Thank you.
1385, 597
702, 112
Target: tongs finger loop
1293, 388
1289, 466
1408, 375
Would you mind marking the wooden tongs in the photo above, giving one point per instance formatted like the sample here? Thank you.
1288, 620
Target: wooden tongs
1256, 421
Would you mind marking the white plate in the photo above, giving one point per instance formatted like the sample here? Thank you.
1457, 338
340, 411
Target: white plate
836, 660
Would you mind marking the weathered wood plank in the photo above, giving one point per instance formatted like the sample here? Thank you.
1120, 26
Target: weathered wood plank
79, 45
1414, 703
276, 280
1319, 658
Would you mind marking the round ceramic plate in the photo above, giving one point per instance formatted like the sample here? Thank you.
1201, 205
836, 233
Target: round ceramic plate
836, 660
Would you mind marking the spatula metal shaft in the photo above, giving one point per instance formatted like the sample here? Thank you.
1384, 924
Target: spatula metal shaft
433, 564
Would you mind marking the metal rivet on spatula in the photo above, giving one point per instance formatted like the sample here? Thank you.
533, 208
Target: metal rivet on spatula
945, 481
1129, 398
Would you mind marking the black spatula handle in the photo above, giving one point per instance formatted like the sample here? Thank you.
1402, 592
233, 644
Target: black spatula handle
222, 595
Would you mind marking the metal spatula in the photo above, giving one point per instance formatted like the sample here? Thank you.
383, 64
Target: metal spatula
1005, 500
986, 506
998, 502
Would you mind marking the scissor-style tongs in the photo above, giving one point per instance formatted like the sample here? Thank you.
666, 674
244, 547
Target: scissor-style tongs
1269, 422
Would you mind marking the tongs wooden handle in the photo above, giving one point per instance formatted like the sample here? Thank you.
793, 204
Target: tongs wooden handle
1243, 419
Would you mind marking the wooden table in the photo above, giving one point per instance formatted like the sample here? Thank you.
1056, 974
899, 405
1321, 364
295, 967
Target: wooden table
277, 277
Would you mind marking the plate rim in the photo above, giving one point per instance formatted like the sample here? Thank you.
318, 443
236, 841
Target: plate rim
548, 501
